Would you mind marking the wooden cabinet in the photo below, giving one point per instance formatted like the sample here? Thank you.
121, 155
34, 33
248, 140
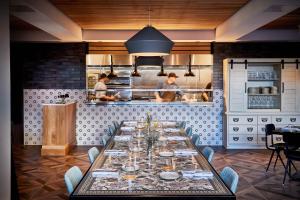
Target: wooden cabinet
59, 123
258, 92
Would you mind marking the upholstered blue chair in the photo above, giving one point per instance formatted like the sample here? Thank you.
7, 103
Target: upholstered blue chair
116, 124
111, 131
208, 153
182, 125
105, 139
72, 178
93, 154
195, 138
230, 177
189, 131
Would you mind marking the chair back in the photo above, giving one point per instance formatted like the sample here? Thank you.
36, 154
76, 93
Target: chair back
105, 138
93, 154
111, 131
189, 131
195, 139
269, 128
72, 178
292, 144
230, 177
116, 124
208, 153
182, 125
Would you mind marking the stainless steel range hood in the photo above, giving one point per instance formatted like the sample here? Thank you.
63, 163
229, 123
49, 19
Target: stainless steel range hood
176, 60
98, 59
122, 60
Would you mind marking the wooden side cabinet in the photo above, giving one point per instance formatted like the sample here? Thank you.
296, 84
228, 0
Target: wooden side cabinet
59, 124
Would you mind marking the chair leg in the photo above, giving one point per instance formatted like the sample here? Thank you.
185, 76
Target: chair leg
270, 160
276, 159
294, 166
281, 160
285, 171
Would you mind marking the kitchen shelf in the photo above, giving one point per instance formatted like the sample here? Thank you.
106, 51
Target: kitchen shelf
263, 94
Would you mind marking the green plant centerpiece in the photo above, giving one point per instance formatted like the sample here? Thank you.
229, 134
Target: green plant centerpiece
151, 136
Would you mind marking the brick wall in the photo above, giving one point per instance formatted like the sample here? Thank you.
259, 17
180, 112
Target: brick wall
249, 50
62, 65
51, 65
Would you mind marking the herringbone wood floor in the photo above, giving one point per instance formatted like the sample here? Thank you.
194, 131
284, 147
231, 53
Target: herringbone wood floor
43, 177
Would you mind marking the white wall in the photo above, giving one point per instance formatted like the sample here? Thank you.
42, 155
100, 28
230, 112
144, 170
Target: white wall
5, 142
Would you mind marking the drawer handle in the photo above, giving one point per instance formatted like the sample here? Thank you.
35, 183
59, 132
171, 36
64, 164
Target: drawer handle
278, 119
236, 119
249, 138
250, 119
264, 119
236, 129
249, 129
263, 129
236, 138
278, 139
292, 119
263, 139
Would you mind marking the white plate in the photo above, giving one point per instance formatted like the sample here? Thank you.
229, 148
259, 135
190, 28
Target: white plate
166, 153
136, 149
169, 175
131, 168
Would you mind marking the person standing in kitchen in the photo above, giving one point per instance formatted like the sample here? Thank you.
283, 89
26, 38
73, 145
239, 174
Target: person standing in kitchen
167, 96
101, 89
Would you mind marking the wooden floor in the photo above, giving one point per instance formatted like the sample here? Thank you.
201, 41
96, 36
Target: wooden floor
43, 177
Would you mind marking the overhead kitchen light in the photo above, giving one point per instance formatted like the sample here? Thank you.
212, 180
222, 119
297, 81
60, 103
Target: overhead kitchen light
149, 42
135, 73
111, 74
190, 73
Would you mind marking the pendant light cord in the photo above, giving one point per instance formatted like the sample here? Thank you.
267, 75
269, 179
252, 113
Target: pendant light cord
149, 16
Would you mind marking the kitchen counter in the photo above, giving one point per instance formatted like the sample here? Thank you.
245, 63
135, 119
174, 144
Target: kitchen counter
145, 102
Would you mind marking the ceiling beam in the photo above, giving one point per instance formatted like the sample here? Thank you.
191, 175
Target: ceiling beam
253, 15
43, 15
32, 36
273, 35
123, 35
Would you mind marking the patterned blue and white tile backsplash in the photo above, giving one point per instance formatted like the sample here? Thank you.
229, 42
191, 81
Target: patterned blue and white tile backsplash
93, 121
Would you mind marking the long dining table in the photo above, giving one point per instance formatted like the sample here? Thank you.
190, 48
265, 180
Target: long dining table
171, 167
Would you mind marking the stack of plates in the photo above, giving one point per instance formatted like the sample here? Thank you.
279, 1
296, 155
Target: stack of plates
169, 175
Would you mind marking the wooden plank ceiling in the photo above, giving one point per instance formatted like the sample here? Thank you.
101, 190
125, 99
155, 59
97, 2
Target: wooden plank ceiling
133, 14
178, 48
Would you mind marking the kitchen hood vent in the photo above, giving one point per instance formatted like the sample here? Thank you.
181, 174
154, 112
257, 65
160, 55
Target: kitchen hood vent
176, 60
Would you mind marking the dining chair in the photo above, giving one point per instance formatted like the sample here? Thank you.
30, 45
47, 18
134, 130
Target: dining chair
111, 131
189, 131
116, 124
182, 125
105, 139
195, 138
274, 147
291, 151
230, 178
72, 178
208, 153
93, 154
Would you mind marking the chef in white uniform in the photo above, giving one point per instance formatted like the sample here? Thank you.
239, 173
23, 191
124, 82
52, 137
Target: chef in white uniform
101, 89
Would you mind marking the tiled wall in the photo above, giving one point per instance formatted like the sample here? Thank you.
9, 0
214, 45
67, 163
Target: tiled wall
93, 121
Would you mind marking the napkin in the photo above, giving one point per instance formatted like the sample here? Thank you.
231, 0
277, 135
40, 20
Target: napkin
185, 152
197, 174
176, 138
168, 123
115, 153
172, 130
105, 173
123, 138
127, 128
130, 123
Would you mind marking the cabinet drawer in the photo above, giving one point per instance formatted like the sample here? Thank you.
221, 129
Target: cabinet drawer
242, 119
261, 139
285, 120
264, 119
242, 129
261, 129
242, 139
